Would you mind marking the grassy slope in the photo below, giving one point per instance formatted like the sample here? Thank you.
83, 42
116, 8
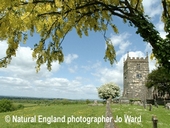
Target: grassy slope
78, 110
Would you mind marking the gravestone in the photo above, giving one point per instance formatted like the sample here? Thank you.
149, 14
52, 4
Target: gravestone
124, 100
167, 105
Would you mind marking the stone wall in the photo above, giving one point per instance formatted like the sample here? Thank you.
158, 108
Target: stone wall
134, 78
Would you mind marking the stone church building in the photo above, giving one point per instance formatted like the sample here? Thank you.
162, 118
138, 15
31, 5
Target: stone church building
135, 71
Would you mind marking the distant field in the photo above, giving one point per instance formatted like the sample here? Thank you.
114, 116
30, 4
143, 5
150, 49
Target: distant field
27, 104
65, 112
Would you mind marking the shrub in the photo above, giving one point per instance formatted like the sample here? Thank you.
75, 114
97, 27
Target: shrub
6, 105
20, 106
87, 101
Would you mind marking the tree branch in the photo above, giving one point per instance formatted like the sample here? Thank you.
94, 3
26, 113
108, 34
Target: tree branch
165, 13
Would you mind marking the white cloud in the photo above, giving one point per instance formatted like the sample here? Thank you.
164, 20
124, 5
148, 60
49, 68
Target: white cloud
120, 41
70, 57
3, 47
160, 28
152, 7
20, 78
23, 66
152, 63
16, 82
50, 87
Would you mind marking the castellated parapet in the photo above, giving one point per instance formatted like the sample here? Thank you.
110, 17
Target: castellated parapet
137, 58
135, 72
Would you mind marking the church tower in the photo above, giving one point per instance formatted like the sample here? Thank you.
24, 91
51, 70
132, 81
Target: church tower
135, 71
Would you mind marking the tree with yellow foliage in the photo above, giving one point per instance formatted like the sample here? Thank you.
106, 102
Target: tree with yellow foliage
55, 18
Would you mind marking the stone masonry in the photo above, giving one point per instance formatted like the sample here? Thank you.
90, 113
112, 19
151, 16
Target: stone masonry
135, 71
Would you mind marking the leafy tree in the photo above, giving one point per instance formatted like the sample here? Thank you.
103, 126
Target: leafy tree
55, 18
6, 105
160, 80
108, 90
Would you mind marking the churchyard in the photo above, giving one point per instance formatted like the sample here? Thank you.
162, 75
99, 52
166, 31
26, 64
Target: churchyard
80, 114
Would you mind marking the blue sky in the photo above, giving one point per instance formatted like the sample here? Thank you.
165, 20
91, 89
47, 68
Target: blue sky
84, 68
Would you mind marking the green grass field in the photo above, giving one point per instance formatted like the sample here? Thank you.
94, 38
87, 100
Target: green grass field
91, 115
162, 114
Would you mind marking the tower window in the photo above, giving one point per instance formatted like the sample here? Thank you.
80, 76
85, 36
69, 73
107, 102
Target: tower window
138, 76
138, 67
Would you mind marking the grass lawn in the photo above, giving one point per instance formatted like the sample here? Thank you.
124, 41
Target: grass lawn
122, 111
66, 112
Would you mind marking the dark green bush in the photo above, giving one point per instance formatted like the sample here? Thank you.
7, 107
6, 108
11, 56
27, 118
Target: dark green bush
6, 105
87, 101
20, 106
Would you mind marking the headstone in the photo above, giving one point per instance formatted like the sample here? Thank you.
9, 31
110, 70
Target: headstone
167, 105
124, 100
137, 103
